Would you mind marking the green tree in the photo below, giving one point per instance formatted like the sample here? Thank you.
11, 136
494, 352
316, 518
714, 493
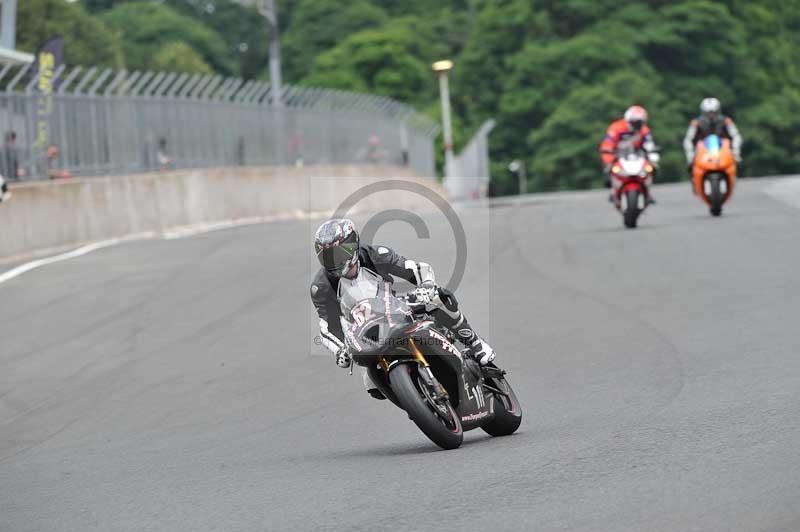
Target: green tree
146, 27
319, 25
384, 62
95, 6
242, 28
502, 28
178, 56
87, 40
771, 131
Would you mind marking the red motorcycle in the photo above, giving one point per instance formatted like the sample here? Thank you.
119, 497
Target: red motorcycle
631, 177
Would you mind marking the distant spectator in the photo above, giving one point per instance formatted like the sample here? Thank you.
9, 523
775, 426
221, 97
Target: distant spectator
165, 162
372, 153
9, 158
374, 149
50, 166
296, 148
150, 152
240, 150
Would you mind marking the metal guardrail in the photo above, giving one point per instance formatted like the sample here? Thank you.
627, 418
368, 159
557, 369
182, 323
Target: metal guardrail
103, 122
470, 177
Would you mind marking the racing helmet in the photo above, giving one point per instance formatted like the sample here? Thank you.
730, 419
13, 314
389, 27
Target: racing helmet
336, 246
710, 107
636, 117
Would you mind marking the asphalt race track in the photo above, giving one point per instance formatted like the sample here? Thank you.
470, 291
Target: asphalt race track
174, 385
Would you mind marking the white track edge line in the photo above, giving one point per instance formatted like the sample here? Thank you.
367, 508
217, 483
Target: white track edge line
172, 234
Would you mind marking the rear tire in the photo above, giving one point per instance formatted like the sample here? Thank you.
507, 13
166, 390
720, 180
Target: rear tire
631, 214
507, 411
403, 379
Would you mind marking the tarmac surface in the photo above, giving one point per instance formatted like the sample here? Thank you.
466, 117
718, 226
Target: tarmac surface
175, 385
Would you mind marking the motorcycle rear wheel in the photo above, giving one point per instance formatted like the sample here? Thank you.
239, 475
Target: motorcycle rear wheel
446, 433
507, 411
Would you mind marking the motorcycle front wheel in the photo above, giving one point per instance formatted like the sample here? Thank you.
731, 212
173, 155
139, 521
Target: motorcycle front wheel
716, 198
438, 421
631, 213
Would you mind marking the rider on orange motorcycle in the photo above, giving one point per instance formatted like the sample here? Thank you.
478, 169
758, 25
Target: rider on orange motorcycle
632, 127
711, 122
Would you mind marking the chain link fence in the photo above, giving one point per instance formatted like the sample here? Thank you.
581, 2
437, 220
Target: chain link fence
102, 122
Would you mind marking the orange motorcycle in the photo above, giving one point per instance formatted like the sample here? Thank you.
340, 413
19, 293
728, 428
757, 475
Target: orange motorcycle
714, 172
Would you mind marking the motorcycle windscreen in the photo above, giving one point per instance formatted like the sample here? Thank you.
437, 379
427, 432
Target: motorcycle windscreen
713, 144
366, 285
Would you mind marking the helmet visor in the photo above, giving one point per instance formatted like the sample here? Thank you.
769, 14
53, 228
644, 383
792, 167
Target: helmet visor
334, 258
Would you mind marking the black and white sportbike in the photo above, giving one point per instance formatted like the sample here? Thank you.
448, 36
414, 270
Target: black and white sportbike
417, 367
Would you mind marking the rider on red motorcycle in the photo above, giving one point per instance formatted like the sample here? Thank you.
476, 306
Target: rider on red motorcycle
632, 127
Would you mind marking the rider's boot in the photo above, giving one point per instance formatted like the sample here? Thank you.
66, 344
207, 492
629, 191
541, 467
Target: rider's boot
477, 348
481, 351
448, 315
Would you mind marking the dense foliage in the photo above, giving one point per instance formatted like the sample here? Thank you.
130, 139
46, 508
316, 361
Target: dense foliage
553, 73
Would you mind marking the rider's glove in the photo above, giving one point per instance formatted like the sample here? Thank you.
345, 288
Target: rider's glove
342, 357
425, 293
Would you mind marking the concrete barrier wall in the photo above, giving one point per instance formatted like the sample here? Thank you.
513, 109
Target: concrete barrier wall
47, 216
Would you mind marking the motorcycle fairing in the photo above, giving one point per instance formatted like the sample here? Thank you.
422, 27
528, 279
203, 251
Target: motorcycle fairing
632, 166
378, 328
713, 159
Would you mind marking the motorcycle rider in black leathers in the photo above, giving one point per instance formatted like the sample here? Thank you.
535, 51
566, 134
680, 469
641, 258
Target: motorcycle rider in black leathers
340, 253
711, 122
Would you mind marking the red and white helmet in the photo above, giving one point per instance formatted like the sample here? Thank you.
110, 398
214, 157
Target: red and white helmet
636, 116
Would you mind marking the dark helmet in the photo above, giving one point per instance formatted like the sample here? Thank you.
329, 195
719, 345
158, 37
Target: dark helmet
336, 245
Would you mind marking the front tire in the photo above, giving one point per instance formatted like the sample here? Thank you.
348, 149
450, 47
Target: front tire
716, 197
631, 214
443, 428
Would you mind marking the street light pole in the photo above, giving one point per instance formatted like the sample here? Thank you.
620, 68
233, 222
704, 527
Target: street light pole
270, 13
518, 167
442, 68
8, 37
267, 9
